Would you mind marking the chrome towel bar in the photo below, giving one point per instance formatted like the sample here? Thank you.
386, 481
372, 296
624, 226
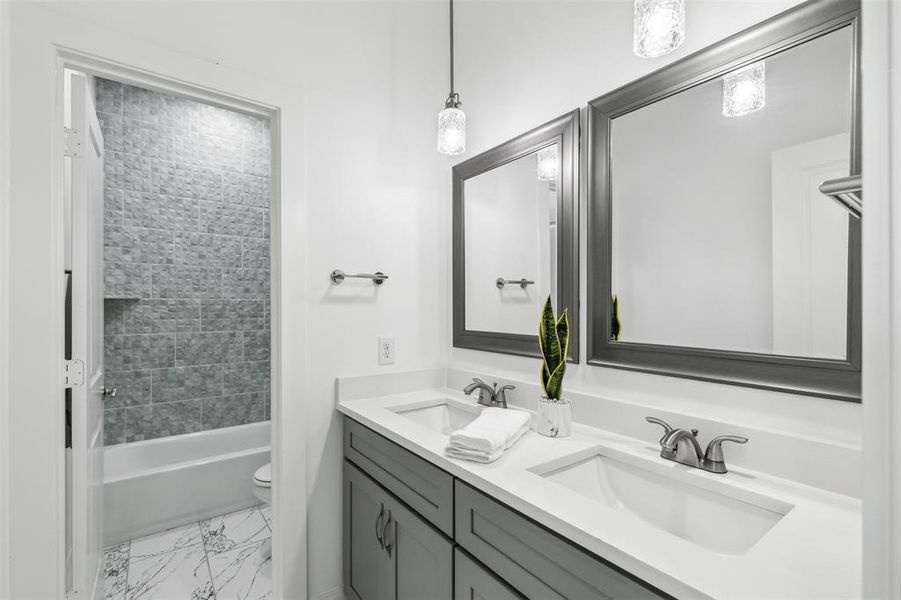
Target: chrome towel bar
523, 283
339, 276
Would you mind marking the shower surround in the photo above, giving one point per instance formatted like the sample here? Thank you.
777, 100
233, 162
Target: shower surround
186, 219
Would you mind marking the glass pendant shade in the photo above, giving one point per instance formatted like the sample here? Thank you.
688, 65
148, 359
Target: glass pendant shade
744, 91
658, 27
451, 131
547, 163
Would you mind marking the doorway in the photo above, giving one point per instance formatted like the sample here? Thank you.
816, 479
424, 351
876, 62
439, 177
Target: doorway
169, 199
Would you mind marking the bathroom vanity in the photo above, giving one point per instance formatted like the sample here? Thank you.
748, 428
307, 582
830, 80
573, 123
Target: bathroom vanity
482, 547
596, 515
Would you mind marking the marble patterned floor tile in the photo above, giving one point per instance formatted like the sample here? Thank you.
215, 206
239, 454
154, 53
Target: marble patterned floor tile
115, 572
239, 574
181, 574
266, 510
166, 541
227, 532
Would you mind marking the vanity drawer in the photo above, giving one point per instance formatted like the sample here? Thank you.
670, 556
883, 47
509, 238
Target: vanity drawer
472, 580
423, 486
536, 562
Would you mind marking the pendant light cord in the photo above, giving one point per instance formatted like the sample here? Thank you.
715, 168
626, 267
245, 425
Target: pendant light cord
451, 46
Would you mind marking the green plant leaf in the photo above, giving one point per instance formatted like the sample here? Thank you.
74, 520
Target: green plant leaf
555, 381
548, 343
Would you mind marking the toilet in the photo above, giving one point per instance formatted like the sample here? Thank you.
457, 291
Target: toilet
262, 489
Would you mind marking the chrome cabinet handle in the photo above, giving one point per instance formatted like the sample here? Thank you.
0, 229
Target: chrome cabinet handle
378, 527
666, 426
387, 545
714, 451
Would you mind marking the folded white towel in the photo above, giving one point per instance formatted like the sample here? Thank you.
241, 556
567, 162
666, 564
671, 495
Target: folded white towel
491, 430
486, 438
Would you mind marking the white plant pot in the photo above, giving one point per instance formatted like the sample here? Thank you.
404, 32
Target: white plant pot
555, 417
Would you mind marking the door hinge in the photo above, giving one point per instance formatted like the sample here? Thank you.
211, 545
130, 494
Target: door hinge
73, 373
72, 144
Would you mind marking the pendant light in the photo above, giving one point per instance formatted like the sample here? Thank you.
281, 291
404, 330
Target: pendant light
452, 120
547, 163
658, 27
744, 91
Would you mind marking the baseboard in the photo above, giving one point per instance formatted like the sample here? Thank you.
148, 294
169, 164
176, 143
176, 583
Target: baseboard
336, 593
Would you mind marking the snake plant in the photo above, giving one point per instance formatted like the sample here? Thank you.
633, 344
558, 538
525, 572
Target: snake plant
553, 340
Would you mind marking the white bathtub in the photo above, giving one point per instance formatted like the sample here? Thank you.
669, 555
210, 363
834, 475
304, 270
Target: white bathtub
157, 484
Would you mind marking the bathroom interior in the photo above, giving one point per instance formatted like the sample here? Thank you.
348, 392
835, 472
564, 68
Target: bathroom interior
447, 299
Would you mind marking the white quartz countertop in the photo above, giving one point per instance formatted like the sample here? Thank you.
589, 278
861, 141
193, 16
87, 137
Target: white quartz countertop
813, 552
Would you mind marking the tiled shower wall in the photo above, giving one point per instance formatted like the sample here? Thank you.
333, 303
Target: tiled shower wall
186, 218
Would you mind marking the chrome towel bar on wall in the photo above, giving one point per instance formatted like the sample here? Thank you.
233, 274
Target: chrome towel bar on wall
338, 276
523, 283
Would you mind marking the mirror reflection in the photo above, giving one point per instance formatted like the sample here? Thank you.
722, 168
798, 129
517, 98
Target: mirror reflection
511, 242
721, 238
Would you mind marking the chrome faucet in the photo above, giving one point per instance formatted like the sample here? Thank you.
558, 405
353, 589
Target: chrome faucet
681, 446
489, 396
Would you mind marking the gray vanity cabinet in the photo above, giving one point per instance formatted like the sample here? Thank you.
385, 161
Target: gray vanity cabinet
391, 552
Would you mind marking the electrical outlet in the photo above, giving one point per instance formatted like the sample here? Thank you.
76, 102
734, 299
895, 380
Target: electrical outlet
386, 350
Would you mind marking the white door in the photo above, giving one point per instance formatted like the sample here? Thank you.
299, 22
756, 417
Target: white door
810, 250
85, 150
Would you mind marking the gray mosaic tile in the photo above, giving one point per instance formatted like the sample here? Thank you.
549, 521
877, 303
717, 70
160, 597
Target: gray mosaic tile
267, 315
248, 190
256, 345
247, 377
127, 171
160, 420
146, 139
245, 283
266, 400
130, 352
132, 388
186, 282
160, 109
255, 253
207, 250
257, 159
108, 96
130, 280
233, 219
152, 316
111, 128
228, 411
114, 426
231, 315
207, 151
229, 123
208, 348
159, 211
187, 383
176, 179
136, 244
113, 202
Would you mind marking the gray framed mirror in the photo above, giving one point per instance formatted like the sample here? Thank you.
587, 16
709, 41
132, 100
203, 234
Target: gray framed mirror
712, 253
516, 239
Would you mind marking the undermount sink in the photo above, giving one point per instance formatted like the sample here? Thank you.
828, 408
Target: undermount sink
712, 514
442, 416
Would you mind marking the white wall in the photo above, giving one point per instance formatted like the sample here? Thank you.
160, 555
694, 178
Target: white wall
4, 316
519, 68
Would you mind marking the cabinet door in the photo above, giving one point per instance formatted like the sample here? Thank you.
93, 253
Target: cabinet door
422, 558
472, 581
367, 565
